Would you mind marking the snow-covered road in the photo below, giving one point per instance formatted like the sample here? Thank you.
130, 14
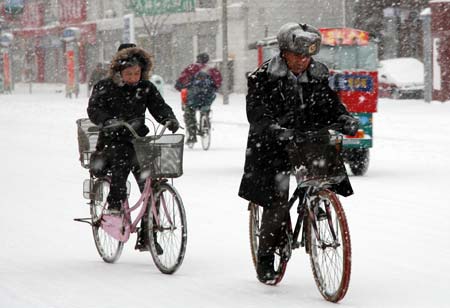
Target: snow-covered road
398, 217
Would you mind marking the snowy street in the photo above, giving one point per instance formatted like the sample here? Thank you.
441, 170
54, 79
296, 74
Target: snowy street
398, 216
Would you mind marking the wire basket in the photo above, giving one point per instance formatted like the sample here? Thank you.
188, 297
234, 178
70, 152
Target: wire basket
87, 140
162, 157
318, 157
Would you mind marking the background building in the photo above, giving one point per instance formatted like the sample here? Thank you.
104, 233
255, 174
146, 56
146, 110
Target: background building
178, 30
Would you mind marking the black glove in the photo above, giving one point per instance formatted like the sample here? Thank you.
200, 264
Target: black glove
172, 125
139, 126
350, 125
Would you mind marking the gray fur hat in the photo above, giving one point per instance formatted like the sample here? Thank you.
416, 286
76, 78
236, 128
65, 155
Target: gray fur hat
302, 39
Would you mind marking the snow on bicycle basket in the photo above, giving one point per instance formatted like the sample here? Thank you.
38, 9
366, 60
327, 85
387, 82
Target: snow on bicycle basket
318, 157
161, 157
87, 140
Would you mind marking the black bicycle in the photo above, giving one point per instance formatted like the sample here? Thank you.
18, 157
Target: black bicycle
203, 129
321, 226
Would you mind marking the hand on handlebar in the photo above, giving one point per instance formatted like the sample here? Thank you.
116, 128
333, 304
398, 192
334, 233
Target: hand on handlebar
173, 125
350, 125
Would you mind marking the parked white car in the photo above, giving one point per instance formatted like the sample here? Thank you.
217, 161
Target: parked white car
401, 78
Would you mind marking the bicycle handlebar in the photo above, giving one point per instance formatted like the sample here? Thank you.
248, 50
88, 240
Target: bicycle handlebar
316, 133
120, 123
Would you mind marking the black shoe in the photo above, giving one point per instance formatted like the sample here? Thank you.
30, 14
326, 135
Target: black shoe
142, 243
191, 139
159, 250
265, 269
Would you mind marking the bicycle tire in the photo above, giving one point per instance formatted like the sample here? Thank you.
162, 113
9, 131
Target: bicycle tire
108, 248
331, 266
205, 128
171, 235
280, 262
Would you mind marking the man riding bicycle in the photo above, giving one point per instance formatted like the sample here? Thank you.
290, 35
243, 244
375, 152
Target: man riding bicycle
125, 96
201, 82
287, 93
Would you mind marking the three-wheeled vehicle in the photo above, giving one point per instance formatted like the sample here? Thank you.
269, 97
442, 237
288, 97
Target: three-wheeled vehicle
352, 57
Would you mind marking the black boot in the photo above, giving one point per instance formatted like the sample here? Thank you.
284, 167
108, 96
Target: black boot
142, 243
265, 269
142, 240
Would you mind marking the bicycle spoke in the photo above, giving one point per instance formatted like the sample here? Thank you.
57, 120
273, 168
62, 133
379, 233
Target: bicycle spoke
330, 249
170, 231
108, 247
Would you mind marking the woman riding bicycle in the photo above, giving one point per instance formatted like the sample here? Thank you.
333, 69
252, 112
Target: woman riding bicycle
288, 93
124, 96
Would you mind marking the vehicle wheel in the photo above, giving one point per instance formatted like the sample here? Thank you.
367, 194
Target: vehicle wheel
359, 161
280, 262
330, 256
205, 128
108, 247
168, 238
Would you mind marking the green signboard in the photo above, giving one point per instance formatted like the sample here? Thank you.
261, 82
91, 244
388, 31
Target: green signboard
159, 7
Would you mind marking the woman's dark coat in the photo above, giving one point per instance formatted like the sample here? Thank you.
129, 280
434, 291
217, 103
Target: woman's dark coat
113, 99
276, 100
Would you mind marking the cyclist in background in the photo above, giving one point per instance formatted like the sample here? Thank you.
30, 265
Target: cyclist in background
202, 83
288, 93
125, 96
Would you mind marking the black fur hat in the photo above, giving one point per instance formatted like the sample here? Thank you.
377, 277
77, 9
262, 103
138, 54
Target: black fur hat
202, 57
126, 45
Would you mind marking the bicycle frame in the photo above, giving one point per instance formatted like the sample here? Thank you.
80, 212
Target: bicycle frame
305, 207
120, 228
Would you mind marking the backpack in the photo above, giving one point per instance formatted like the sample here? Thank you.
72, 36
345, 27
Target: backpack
201, 90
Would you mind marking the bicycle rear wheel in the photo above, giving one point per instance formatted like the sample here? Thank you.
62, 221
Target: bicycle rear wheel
280, 261
108, 247
331, 255
205, 128
168, 238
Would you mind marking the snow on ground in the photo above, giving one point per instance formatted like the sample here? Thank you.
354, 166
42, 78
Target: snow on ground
398, 217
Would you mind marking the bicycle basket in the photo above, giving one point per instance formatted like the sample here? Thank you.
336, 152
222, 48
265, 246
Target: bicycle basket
161, 158
318, 157
87, 140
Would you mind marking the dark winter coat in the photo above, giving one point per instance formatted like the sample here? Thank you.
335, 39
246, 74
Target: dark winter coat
276, 100
191, 70
112, 99
201, 82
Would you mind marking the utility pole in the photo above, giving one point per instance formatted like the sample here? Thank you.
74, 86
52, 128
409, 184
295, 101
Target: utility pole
225, 73
344, 11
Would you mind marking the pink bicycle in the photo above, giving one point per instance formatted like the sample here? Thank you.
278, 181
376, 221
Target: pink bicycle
161, 207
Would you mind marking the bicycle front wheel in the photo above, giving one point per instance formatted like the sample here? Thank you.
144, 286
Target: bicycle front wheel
108, 247
205, 128
330, 248
168, 231
280, 261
